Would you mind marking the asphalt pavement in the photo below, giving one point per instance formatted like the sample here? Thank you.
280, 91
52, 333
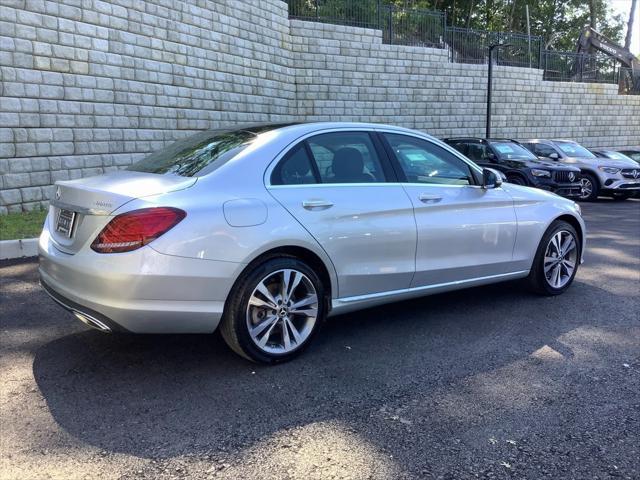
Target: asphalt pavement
492, 382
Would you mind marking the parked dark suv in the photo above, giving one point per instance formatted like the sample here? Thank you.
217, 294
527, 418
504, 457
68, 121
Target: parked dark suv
519, 165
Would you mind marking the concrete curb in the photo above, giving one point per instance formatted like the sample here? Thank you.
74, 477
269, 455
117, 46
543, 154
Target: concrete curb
18, 248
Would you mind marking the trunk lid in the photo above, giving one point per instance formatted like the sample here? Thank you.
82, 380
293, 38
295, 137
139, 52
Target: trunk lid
87, 204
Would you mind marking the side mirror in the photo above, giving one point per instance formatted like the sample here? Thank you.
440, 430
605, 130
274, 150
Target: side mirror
491, 157
554, 156
491, 178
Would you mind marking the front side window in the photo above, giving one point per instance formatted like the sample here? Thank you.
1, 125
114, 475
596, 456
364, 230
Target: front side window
424, 162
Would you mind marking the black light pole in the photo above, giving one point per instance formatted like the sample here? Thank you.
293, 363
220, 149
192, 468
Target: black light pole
489, 81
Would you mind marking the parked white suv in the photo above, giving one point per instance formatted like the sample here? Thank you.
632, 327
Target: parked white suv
619, 179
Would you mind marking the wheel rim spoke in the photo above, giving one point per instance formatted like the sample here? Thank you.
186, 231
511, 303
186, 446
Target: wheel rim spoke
289, 285
310, 300
294, 330
258, 302
286, 339
257, 330
262, 288
262, 342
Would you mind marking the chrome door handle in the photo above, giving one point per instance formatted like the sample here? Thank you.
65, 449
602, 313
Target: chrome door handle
316, 204
424, 198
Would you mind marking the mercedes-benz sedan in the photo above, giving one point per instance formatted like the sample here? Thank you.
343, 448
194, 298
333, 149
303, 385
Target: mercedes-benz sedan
265, 231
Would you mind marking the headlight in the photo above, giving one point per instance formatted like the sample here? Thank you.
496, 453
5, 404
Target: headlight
578, 208
540, 173
609, 169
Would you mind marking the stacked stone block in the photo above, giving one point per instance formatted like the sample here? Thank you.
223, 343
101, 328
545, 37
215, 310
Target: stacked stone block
88, 86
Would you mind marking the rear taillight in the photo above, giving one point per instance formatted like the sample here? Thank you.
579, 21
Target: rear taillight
132, 230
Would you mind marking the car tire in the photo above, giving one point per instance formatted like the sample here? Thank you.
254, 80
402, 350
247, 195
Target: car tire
516, 180
590, 188
259, 322
548, 259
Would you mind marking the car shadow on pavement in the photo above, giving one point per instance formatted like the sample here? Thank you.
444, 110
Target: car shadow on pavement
163, 396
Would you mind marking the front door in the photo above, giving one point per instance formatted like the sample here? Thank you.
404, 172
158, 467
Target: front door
338, 187
465, 232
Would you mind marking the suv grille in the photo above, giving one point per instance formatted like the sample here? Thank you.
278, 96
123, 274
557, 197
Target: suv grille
563, 176
631, 172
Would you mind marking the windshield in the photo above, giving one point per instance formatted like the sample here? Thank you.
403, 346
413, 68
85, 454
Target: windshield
616, 155
512, 151
574, 150
196, 155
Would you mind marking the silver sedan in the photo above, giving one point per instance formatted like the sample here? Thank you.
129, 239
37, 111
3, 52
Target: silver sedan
264, 231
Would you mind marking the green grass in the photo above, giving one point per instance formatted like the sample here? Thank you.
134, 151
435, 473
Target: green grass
21, 225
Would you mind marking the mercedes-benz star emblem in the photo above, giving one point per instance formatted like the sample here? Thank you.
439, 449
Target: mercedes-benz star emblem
58, 193
636, 173
572, 177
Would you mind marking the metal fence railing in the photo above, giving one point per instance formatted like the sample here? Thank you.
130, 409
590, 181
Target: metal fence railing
400, 26
411, 26
355, 13
579, 67
472, 46
428, 28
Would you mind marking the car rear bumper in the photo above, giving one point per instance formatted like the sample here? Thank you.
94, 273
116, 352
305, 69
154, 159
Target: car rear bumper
142, 291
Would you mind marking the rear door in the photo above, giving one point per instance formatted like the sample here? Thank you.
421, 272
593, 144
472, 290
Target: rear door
464, 231
339, 186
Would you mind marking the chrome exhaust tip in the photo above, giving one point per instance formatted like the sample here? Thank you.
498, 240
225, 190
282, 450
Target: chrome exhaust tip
91, 321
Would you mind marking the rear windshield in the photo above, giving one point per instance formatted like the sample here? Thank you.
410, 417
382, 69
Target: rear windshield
196, 155
574, 150
510, 151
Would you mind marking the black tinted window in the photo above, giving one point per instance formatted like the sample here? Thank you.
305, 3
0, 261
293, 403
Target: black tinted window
543, 150
196, 155
294, 169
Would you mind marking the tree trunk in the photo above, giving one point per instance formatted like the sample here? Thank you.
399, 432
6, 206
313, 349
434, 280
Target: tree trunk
592, 13
470, 12
511, 15
632, 13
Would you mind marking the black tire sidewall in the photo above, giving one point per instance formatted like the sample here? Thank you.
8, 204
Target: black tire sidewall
540, 281
241, 298
516, 180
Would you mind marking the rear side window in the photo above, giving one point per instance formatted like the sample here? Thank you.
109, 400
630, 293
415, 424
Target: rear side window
543, 150
346, 157
295, 168
339, 157
477, 151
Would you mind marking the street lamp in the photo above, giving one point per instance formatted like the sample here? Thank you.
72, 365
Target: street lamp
492, 47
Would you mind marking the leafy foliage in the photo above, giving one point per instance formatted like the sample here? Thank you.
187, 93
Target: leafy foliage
559, 22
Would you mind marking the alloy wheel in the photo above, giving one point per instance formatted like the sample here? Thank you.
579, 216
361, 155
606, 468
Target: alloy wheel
560, 259
586, 188
282, 311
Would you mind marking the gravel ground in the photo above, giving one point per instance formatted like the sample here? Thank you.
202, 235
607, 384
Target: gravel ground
491, 382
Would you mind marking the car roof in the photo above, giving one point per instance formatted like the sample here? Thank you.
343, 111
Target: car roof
479, 139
